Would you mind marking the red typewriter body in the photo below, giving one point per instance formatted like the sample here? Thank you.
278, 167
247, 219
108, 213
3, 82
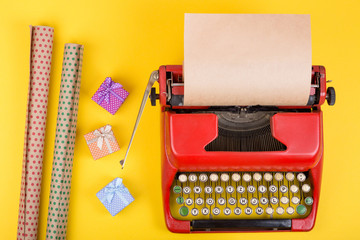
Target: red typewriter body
185, 136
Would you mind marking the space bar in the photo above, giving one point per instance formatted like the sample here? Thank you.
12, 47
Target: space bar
241, 225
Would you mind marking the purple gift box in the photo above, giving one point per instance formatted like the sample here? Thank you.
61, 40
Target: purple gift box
110, 95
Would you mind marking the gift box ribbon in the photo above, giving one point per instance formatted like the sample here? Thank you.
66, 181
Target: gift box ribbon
115, 187
102, 135
108, 88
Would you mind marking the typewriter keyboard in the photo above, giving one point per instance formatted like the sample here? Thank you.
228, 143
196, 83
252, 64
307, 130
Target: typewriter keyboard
241, 195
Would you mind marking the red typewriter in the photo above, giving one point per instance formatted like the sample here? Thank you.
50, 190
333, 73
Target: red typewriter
239, 168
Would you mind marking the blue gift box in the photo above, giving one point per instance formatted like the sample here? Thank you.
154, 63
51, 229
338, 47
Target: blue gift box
115, 196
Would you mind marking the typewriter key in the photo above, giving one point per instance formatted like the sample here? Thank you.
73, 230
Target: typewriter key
232, 201
240, 189
290, 176
268, 177
236, 177
177, 189
224, 177
295, 200
194, 211
306, 188
264, 200
247, 177
259, 211
218, 189
199, 201
187, 190
274, 200
290, 210
257, 177
237, 211
248, 211
269, 210
180, 200
192, 178
254, 201
278, 177
189, 201
203, 177
205, 211
243, 201
294, 188
208, 189
262, 189
301, 177
309, 200
284, 200
184, 211
273, 188
182, 178
301, 209
221, 201
197, 189
214, 177
210, 201
227, 211
216, 211
251, 189
283, 189
230, 189
280, 211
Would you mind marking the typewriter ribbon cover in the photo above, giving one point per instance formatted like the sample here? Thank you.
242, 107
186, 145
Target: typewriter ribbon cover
247, 59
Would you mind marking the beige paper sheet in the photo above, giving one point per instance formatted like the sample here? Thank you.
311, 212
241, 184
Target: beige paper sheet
247, 59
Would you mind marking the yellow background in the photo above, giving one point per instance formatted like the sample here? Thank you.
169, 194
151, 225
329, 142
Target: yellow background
127, 39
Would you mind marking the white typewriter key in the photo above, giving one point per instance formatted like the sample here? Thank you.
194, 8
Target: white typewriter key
248, 211
227, 211
247, 177
216, 211
205, 211
182, 178
306, 188
197, 189
251, 189
269, 210
283, 189
194, 211
295, 200
243, 201
280, 211
232, 201
290, 176
208, 189
221, 201
294, 188
192, 178
273, 188
284, 200
237, 211
199, 201
259, 211
210, 201
214, 177
254, 201
279, 177
262, 189
189, 201
224, 177
236, 177
268, 177
218, 189
301, 177
230, 189
187, 190
240, 189
290, 210
257, 177
274, 200
264, 200
203, 177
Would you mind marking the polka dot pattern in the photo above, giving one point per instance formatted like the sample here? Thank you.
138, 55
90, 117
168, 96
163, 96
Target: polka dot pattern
40, 64
64, 142
114, 103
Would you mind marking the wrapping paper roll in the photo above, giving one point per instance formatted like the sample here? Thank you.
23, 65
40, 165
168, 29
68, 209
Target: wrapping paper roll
64, 142
40, 63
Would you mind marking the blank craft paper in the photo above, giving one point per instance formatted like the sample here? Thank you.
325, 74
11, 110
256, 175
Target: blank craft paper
247, 59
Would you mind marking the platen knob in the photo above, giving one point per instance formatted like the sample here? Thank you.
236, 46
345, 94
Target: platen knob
330, 96
153, 96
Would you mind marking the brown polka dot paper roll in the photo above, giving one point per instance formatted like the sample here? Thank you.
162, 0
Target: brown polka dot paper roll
64, 142
40, 64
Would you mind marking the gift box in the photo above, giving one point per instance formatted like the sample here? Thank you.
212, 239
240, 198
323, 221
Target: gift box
110, 95
102, 142
115, 196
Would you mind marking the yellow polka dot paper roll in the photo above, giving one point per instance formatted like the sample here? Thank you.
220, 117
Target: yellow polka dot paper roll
102, 142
